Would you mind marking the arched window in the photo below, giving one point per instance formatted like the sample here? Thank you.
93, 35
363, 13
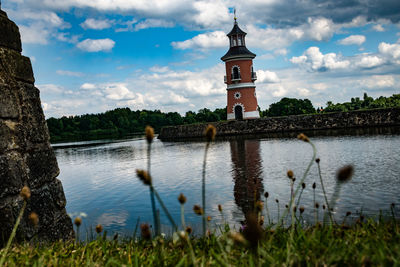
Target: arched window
235, 73
234, 41
240, 40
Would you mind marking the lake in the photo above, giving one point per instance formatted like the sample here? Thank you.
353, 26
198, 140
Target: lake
100, 180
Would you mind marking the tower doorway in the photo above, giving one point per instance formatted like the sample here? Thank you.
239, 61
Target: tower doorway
238, 112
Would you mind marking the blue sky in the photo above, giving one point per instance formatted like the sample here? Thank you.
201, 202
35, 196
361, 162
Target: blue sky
93, 56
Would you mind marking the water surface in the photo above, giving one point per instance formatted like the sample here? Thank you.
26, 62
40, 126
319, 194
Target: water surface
100, 180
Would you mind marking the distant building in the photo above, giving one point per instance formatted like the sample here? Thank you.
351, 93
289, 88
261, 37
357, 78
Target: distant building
240, 77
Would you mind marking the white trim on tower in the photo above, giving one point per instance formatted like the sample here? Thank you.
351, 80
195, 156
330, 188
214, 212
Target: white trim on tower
240, 85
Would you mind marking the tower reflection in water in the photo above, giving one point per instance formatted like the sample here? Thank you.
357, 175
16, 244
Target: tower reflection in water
246, 173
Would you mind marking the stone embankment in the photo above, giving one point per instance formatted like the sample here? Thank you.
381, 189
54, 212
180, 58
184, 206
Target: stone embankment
289, 124
26, 157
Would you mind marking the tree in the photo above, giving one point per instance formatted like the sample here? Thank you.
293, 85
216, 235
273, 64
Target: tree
290, 106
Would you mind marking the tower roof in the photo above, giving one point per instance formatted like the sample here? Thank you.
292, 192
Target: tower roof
236, 30
237, 50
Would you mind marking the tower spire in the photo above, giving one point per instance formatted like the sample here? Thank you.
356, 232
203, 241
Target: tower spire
234, 14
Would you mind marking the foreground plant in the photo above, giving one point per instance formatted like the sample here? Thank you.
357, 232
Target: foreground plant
26, 195
366, 243
145, 177
149, 131
210, 133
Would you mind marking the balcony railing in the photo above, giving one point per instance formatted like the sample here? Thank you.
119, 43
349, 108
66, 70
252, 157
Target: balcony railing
235, 78
253, 76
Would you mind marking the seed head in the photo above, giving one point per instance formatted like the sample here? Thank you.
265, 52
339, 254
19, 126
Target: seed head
208, 218
145, 231
182, 199
303, 185
33, 218
317, 205
210, 132
344, 174
314, 185
198, 210
348, 213
25, 193
266, 195
294, 209
78, 221
144, 176
317, 160
286, 206
323, 206
392, 205
189, 230
237, 237
301, 210
99, 228
219, 207
290, 174
303, 137
259, 205
182, 234
277, 200
149, 134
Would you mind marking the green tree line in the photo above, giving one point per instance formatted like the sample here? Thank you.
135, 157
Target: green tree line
124, 121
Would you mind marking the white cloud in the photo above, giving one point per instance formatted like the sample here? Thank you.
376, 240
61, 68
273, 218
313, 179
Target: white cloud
153, 23
353, 40
313, 60
320, 29
267, 76
117, 91
34, 34
70, 73
211, 14
378, 28
204, 41
390, 51
88, 86
281, 52
37, 27
50, 89
159, 69
378, 82
67, 37
303, 92
97, 45
368, 61
96, 24
278, 90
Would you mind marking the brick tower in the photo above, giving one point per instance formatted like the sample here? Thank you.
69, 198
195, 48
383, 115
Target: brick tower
240, 77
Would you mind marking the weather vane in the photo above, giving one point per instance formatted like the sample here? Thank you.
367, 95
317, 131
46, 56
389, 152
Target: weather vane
234, 13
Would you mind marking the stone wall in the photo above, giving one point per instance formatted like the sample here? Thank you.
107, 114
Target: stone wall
299, 123
26, 157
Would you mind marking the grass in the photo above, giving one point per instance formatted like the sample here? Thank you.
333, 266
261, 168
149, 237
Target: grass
365, 242
368, 243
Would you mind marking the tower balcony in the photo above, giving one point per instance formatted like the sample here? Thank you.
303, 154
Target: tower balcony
253, 76
235, 77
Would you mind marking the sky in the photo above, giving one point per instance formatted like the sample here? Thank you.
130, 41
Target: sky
90, 56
